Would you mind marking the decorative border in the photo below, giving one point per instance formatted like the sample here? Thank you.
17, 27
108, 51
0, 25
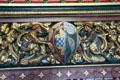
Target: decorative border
103, 12
79, 73
59, 19
61, 4
62, 10
60, 66
57, 1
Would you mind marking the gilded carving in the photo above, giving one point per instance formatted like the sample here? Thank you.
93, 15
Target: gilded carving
60, 43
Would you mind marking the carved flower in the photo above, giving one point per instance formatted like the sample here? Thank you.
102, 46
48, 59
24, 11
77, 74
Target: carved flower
1, 40
118, 38
76, 58
93, 47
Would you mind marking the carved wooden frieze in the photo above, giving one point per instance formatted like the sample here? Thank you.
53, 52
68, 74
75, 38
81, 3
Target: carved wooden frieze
54, 43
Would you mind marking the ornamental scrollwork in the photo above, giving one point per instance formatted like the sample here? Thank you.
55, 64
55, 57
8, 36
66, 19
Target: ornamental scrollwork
59, 43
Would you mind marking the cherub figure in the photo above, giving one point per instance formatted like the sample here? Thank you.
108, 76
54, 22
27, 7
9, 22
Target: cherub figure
91, 43
35, 42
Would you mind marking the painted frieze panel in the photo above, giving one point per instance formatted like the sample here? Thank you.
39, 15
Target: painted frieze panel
59, 43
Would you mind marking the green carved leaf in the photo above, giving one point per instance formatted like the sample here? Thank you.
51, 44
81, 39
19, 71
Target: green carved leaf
63, 1
28, 1
97, 0
10, 1
45, 1
113, 0
80, 0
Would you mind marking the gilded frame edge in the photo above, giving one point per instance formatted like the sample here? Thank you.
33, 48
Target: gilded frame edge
62, 66
60, 4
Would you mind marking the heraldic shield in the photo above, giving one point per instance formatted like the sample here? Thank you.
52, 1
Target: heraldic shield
64, 37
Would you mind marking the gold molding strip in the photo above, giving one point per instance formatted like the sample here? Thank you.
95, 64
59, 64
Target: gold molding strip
61, 12
63, 66
60, 4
